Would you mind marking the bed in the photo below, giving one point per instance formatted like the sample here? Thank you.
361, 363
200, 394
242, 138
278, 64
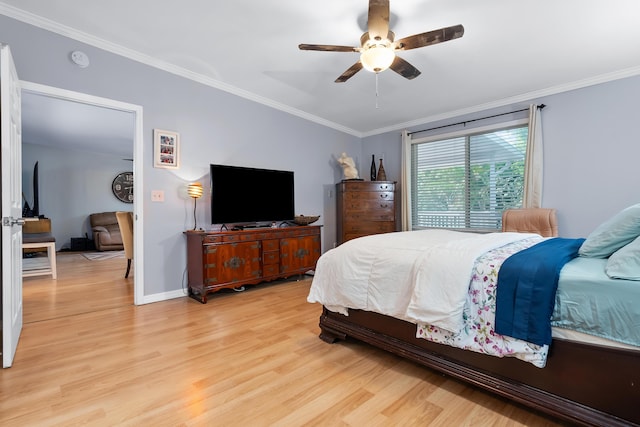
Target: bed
583, 375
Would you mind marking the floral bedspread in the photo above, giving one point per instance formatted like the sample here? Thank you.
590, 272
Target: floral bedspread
477, 333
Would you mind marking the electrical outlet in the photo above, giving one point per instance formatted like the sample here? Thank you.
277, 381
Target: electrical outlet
157, 196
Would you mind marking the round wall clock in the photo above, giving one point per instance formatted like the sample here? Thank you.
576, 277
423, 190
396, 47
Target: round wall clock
122, 187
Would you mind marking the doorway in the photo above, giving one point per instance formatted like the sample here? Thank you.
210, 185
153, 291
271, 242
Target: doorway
84, 100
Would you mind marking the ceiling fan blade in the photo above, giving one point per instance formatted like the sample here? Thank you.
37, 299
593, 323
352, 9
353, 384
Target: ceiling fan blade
430, 37
378, 24
405, 69
349, 73
327, 48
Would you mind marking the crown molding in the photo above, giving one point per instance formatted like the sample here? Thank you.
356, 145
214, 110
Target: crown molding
525, 97
72, 33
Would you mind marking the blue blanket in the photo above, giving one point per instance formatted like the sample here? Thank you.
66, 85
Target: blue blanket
527, 284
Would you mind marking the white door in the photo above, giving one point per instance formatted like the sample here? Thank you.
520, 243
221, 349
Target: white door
11, 167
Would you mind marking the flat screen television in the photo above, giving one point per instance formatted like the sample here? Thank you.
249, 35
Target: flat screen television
241, 195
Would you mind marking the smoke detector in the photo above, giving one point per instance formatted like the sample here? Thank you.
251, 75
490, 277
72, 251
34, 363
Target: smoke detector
80, 59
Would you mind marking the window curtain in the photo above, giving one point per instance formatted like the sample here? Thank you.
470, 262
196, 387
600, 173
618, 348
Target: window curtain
532, 197
405, 182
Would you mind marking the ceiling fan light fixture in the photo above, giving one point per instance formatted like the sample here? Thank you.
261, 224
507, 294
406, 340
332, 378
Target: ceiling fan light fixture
377, 46
377, 57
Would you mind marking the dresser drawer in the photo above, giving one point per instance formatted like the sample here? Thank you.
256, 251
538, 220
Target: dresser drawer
369, 206
270, 270
362, 217
368, 195
355, 235
369, 227
271, 245
271, 257
258, 235
212, 239
355, 186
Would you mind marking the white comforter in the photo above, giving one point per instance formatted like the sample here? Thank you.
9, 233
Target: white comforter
418, 276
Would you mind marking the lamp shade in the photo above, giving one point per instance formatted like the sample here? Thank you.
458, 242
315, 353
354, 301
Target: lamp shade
377, 58
195, 190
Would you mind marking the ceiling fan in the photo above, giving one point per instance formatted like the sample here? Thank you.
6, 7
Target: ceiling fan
378, 48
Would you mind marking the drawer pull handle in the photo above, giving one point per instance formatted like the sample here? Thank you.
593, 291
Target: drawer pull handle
384, 196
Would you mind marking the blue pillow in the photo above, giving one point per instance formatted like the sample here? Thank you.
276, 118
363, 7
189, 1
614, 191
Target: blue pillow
625, 262
613, 234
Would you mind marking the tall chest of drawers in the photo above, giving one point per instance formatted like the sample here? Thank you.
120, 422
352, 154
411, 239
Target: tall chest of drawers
364, 208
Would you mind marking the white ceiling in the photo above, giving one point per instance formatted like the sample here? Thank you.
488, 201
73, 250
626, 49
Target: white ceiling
61, 123
511, 50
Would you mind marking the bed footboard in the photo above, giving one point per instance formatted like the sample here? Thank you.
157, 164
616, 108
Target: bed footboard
584, 384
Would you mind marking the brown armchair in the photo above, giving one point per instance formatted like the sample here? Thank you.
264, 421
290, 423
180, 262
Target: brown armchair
106, 232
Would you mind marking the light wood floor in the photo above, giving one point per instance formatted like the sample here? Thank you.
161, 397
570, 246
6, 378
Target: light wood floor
87, 356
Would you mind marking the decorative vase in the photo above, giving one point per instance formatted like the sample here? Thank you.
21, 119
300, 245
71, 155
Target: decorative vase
373, 167
382, 175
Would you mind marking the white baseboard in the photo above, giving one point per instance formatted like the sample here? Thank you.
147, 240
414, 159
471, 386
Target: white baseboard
164, 296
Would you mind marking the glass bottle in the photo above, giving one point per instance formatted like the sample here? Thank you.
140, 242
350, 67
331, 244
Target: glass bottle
373, 167
382, 175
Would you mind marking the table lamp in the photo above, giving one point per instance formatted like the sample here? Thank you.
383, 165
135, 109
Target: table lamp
195, 192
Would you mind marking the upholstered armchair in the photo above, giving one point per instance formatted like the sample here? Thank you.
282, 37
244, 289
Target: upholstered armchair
106, 232
531, 220
125, 221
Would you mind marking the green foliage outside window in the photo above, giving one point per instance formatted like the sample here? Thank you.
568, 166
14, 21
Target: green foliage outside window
454, 192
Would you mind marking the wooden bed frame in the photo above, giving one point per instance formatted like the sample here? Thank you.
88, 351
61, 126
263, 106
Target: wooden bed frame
584, 384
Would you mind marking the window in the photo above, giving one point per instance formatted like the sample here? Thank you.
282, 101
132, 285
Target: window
465, 180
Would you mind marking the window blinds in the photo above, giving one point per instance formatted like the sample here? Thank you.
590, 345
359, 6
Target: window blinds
467, 181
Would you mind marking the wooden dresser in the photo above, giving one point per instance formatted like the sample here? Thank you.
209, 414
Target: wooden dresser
230, 259
365, 207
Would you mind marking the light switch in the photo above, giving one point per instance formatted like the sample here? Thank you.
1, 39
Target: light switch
157, 196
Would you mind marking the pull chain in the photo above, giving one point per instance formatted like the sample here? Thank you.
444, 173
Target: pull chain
376, 90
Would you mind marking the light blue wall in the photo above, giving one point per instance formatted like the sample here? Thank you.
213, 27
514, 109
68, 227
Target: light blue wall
592, 149
591, 152
214, 126
72, 185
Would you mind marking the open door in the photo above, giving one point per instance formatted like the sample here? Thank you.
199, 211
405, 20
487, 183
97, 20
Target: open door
11, 168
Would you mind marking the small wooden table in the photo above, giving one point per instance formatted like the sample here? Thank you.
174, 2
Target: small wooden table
36, 236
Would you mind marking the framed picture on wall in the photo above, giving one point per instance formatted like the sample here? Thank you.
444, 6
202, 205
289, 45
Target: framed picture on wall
166, 149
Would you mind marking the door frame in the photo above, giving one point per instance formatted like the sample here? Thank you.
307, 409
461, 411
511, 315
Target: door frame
138, 169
